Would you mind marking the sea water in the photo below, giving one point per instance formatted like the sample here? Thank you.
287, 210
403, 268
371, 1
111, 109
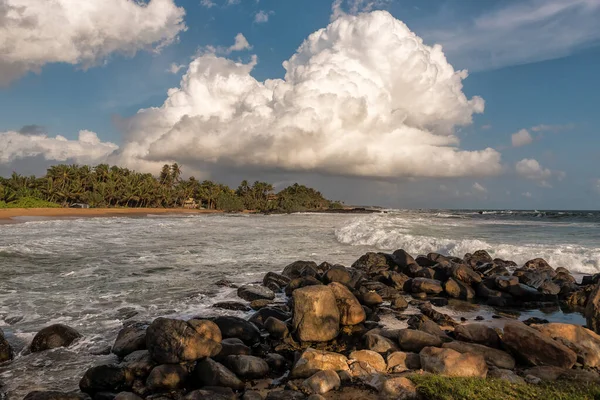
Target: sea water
94, 273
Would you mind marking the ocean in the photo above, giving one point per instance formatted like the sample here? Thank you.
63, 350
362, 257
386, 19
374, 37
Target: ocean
93, 273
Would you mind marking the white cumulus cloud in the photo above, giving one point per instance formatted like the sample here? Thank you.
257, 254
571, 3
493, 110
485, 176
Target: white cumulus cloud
521, 138
241, 43
86, 149
362, 97
34, 33
262, 16
531, 169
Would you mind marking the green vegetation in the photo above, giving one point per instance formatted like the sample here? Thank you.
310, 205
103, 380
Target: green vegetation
435, 387
106, 186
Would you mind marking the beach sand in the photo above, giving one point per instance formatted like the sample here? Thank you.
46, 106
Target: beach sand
7, 215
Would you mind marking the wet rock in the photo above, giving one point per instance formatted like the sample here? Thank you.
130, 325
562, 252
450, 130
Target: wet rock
539, 265
491, 269
350, 310
536, 348
255, 292
312, 361
465, 274
425, 262
6, 351
172, 341
54, 395
504, 282
414, 341
299, 269
138, 364
211, 393
130, 339
234, 327
232, 347
587, 341
448, 362
225, 283
232, 305
477, 333
400, 361
424, 324
321, 382
369, 357
252, 395
300, 283
458, 289
399, 303
428, 286
403, 259
337, 273
371, 299
247, 367
548, 287
258, 304
592, 309
378, 343
505, 375
316, 316
398, 388
127, 396
53, 336
479, 257
495, 357
279, 280
550, 374
277, 329
285, 395
167, 377
276, 362
394, 279
371, 263
110, 377
525, 293
211, 373
436, 316
260, 317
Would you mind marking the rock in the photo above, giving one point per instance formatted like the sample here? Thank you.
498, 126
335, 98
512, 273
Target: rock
316, 316
428, 286
232, 305
106, 378
299, 269
277, 279
548, 287
414, 341
337, 273
209, 393
235, 327
252, 395
139, 363
371, 299
211, 373
495, 357
130, 339
425, 262
315, 397
260, 317
586, 340
504, 282
378, 343
398, 388
400, 361
536, 348
448, 362
369, 357
525, 293
592, 309
394, 279
255, 292
465, 274
54, 395
399, 303
300, 283
477, 258
371, 262
436, 316
458, 289
276, 362
424, 324
403, 259
259, 304
321, 382
167, 377
232, 347
53, 336
277, 329
285, 395
6, 351
172, 341
505, 375
247, 367
550, 373
350, 310
312, 361
477, 333
539, 265
127, 396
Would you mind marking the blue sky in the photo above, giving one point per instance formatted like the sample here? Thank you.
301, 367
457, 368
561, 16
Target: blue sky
534, 63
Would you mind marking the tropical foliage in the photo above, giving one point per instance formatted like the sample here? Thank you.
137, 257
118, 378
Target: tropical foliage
106, 186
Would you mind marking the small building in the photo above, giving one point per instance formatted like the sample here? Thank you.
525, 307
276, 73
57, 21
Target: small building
190, 203
79, 205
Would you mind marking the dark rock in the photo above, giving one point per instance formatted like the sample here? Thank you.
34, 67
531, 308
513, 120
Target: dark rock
394, 279
424, 324
285, 395
234, 327
54, 336
421, 272
54, 395
505, 282
465, 274
130, 339
260, 317
378, 343
225, 283
300, 283
211, 393
127, 396
255, 292
337, 273
232, 305
167, 377
458, 289
403, 259
399, 303
428, 286
322, 382
371, 299
491, 269
414, 341
477, 333
438, 301
495, 357
172, 341
276, 362
258, 304
106, 378
300, 269
316, 316
592, 309
548, 287
425, 262
539, 265
232, 347
247, 367
276, 328
252, 395
371, 263
139, 363
277, 279
212, 373
6, 351
436, 316
478, 258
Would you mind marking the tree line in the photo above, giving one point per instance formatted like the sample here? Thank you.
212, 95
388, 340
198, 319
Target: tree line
113, 186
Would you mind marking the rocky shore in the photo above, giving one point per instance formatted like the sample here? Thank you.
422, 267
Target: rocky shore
315, 332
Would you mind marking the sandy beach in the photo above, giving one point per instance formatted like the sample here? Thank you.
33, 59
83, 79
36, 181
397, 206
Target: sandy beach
8, 215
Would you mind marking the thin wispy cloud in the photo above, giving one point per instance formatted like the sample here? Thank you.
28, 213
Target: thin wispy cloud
262, 16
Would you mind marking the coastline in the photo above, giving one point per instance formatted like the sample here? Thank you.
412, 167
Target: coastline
7, 215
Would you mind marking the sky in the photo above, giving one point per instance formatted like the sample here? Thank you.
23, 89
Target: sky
397, 103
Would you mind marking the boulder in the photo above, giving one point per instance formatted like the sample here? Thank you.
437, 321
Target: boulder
138, 364
321, 382
53, 336
207, 393
232, 347
350, 310
479, 257
273, 278
399, 303
428, 286
495, 357
106, 378
130, 339
448, 362
458, 289
536, 348
211, 373
259, 304
252, 395
277, 329
378, 343
172, 341
398, 388
371, 263
592, 309
232, 305
255, 292
505, 375
373, 359
247, 367
6, 351
403, 259
414, 341
400, 361
424, 324
477, 333
235, 327
371, 299
465, 274
300, 283
337, 273
394, 279
276, 362
586, 340
54, 395
316, 315
260, 317
299, 269
539, 265
312, 361
285, 395
167, 377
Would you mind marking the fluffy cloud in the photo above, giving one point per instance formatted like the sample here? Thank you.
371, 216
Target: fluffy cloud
529, 168
86, 149
38, 32
241, 43
262, 16
521, 138
362, 97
